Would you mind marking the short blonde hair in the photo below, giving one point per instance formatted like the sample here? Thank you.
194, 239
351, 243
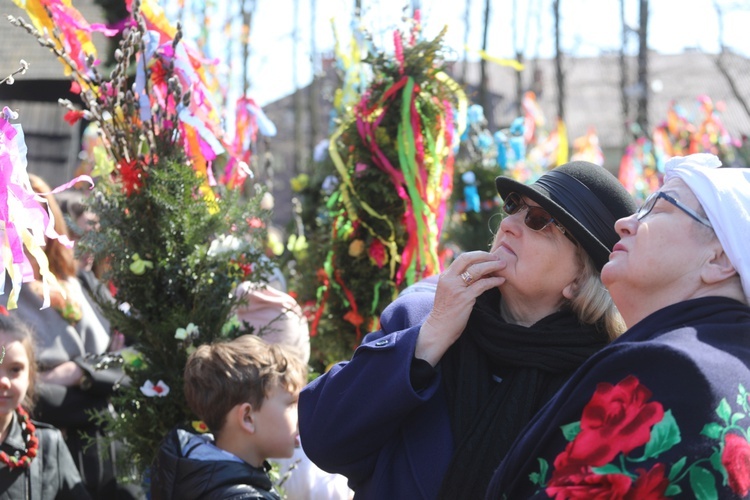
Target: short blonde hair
221, 375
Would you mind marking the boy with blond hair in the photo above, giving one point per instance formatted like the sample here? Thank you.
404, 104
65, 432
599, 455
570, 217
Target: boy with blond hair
245, 391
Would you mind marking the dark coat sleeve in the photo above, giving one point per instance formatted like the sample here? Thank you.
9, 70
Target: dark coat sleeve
349, 414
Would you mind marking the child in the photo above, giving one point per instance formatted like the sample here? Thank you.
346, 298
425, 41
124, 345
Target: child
245, 391
34, 461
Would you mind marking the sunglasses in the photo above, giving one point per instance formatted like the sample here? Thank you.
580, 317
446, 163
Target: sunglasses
648, 205
536, 218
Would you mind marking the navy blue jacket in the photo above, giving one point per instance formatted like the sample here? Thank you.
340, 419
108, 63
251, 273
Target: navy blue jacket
662, 411
363, 419
177, 477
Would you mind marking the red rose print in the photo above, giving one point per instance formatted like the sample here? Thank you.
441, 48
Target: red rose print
582, 483
736, 460
617, 419
650, 485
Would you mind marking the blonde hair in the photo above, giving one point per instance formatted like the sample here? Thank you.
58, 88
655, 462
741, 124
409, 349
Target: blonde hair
592, 302
221, 375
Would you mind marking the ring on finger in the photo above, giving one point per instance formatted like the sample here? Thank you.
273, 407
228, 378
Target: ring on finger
467, 277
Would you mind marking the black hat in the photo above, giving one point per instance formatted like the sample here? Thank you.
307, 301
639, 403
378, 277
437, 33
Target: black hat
583, 197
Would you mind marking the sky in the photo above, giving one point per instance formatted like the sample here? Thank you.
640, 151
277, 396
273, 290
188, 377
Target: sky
589, 27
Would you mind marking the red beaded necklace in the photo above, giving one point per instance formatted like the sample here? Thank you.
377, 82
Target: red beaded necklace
30, 440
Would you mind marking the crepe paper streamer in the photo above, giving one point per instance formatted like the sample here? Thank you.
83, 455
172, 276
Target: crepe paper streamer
461, 99
512, 63
562, 145
352, 304
24, 217
150, 42
348, 187
156, 17
414, 184
46, 15
205, 134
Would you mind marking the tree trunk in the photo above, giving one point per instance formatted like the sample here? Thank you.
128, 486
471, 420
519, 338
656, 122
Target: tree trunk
484, 97
722, 66
467, 18
299, 144
248, 6
313, 99
643, 68
559, 75
624, 101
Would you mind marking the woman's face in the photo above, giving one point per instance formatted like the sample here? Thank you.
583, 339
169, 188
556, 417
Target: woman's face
14, 374
661, 254
541, 265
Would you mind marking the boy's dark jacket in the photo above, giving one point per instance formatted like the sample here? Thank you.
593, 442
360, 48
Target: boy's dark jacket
176, 477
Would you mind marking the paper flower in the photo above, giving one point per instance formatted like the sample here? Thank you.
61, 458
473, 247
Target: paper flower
190, 331
132, 357
26, 222
200, 426
378, 253
160, 389
356, 248
139, 266
225, 243
132, 176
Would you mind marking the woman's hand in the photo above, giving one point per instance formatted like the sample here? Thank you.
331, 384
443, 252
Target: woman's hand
67, 373
468, 277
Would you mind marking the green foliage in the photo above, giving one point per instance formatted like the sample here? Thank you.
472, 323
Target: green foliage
357, 231
169, 223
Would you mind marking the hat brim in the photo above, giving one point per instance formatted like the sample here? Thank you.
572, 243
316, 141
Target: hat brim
597, 250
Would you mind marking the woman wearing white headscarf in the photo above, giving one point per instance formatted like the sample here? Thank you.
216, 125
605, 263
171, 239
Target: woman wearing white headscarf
665, 409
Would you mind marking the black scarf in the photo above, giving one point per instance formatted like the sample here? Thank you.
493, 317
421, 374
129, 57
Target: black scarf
486, 416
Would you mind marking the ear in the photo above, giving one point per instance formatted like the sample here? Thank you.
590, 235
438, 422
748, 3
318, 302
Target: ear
717, 267
246, 417
570, 290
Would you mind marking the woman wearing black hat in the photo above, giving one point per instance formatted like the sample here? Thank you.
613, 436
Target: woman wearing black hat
429, 405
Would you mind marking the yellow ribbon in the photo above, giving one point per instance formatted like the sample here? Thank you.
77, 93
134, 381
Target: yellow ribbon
516, 65
349, 188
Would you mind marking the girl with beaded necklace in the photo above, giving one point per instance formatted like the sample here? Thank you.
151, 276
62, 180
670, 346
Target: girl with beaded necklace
34, 461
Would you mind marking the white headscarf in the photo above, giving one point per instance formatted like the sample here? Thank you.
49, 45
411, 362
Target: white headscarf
724, 194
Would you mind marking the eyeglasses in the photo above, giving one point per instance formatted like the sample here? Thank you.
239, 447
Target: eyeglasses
648, 205
536, 218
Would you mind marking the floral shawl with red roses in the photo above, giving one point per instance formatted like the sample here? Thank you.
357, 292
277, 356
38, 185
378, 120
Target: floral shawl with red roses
664, 411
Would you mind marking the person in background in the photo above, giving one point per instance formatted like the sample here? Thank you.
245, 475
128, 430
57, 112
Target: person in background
664, 410
80, 220
67, 335
34, 461
429, 405
245, 391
